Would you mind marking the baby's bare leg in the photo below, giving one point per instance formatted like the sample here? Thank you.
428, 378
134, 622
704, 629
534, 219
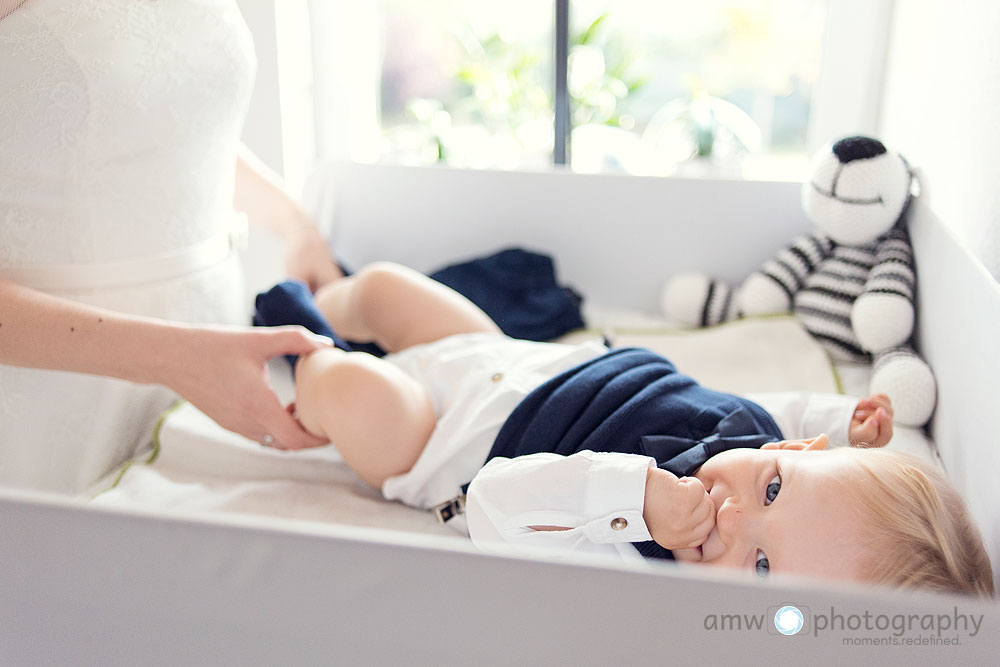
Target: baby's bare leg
377, 416
397, 307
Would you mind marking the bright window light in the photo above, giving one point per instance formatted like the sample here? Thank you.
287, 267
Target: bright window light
731, 88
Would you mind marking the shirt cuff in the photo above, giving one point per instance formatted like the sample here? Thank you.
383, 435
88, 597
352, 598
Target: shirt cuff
616, 492
830, 414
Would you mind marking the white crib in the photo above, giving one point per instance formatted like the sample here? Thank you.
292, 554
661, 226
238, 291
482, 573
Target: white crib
85, 584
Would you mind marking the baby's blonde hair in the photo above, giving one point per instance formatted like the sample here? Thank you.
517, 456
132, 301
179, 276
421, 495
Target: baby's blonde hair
919, 528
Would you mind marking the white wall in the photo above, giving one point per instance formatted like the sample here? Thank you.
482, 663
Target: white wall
848, 90
940, 109
262, 130
263, 262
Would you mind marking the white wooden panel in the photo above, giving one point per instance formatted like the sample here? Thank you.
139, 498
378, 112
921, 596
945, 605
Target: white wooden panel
86, 586
615, 238
959, 327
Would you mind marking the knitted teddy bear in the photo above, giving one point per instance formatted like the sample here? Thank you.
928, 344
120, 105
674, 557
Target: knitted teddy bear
851, 282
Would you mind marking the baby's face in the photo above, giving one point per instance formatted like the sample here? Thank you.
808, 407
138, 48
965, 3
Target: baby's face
781, 511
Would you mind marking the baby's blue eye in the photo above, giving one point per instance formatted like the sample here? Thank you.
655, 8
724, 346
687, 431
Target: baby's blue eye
763, 567
771, 492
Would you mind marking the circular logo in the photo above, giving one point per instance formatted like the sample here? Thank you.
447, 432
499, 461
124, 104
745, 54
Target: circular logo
788, 620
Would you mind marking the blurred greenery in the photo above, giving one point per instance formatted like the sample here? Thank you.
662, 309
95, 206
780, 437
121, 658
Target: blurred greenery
596, 93
504, 86
650, 87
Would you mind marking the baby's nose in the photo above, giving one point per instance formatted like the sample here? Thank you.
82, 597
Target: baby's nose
732, 520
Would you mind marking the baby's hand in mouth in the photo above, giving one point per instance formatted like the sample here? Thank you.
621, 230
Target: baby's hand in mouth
678, 512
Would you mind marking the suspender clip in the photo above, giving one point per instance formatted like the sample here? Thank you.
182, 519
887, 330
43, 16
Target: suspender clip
449, 509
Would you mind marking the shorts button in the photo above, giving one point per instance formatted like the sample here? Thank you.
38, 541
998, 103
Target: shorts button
619, 524
497, 377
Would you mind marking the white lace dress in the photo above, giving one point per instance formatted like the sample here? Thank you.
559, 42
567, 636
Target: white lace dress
119, 127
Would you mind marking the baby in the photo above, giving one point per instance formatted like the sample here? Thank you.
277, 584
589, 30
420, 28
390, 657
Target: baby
616, 452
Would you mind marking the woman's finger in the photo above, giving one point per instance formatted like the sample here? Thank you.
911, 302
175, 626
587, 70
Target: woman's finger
287, 433
292, 340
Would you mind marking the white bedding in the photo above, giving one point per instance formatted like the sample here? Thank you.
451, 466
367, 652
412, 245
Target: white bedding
200, 467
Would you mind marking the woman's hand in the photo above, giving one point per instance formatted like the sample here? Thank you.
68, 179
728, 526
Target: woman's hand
678, 512
871, 424
223, 372
307, 256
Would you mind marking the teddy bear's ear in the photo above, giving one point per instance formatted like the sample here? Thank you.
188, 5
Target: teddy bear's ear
857, 191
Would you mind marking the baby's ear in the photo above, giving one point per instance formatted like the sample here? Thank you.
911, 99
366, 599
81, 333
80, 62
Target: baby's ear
810, 445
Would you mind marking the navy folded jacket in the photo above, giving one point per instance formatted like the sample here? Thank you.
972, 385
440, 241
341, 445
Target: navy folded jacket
518, 290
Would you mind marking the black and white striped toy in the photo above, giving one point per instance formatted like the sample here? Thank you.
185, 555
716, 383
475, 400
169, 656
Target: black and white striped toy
851, 282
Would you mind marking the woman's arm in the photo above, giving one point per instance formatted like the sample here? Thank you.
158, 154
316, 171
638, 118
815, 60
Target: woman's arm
260, 194
7, 8
221, 370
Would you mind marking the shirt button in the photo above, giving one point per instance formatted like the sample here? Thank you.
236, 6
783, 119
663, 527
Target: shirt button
619, 524
497, 377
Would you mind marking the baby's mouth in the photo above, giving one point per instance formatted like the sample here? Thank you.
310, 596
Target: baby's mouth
706, 545
713, 535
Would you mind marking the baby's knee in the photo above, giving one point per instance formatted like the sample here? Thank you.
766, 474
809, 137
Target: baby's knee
378, 417
368, 384
311, 371
332, 373
309, 366
382, 278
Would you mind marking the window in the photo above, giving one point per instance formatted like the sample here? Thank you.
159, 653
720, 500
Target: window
718, 87
673, 86
467, 84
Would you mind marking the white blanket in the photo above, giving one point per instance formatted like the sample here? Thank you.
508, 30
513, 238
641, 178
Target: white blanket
201, 467
197, 465
743, 356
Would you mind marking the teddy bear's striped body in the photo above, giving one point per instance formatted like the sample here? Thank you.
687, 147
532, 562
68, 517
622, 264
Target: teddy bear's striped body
825, 279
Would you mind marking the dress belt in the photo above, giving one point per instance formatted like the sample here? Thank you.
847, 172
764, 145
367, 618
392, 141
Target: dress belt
164, 266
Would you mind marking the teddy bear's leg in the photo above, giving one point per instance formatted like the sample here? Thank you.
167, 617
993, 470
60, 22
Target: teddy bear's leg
695, 300
908, 381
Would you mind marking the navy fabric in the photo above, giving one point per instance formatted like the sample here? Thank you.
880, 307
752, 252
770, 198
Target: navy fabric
633, 401
291, 302
518, 290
